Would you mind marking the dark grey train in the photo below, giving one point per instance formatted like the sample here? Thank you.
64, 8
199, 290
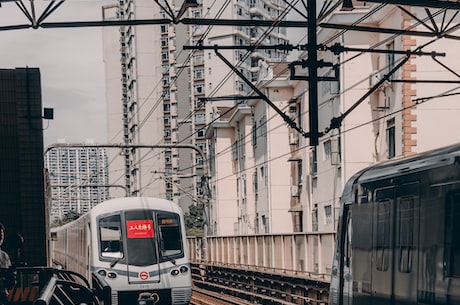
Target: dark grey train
398, 238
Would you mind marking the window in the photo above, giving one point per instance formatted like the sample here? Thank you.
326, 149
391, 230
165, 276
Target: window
313, 162
293, 111
406, 234
390, 59
263, 127
198, 74
254, 134
140, 238
235, 150
200, 118
202, 147
314, 220
328, 214
199, 89
299, 172
111, 245
164, 68
196, 13
170, 234
382, 247
200, 133
452, 236
198, 59
391, 141
327, 149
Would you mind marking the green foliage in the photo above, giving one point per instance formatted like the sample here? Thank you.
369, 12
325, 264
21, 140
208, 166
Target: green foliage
68, 217
194, 220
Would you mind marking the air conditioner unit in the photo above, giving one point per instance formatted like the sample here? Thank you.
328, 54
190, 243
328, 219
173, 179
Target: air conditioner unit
374, 78
295, 191
293, 138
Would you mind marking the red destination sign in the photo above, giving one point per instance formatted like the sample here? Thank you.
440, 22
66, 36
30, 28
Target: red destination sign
139, 228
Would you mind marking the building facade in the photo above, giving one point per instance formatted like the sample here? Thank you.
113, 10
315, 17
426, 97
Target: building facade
166, 90
395, 105
78, 179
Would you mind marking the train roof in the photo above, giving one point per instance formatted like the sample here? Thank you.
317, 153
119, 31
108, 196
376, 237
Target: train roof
125, 203
408, 165
402, 166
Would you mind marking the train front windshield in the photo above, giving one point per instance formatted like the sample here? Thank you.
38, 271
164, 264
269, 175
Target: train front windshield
149, 237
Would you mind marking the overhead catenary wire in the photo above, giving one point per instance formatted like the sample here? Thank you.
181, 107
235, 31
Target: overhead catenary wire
395, 36
278, 19
420, 47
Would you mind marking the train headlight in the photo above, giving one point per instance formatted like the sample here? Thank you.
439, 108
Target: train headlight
183, 269
111, 275
102, 272
174, 272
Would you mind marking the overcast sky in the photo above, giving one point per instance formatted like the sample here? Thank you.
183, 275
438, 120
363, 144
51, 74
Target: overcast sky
71, 67
70, 63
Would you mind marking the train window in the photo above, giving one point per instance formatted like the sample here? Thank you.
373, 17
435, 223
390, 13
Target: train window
383, 235
452, 237
406, 234
110, 236
141, 242
170, 231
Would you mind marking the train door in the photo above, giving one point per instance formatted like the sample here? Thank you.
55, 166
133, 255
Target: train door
383, 243
142, 257
406, 249
395, 240
451, 264
347, 261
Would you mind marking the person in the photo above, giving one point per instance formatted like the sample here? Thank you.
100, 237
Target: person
6, 271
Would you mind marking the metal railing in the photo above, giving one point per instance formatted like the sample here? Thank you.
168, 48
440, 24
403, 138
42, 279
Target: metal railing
301, 254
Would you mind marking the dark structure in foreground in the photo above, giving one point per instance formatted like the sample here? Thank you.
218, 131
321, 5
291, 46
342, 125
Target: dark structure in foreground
22, 205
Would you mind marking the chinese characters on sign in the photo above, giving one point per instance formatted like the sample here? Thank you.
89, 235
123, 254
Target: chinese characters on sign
139, 228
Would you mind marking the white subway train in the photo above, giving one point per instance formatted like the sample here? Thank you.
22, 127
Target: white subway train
137, 244
398, 238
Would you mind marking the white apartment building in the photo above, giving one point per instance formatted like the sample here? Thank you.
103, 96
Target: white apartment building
78, 178
406, 114
164, 89
388, 123
250, 151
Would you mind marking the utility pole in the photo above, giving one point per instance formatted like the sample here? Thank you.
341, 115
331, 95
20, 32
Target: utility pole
312, 73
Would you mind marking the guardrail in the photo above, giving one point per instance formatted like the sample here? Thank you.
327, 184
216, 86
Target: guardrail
301, 254
65, 292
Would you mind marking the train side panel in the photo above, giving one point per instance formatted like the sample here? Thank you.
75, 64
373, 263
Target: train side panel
398, 240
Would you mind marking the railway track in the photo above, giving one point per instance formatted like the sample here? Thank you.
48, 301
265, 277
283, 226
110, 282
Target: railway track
223, 285
205, 297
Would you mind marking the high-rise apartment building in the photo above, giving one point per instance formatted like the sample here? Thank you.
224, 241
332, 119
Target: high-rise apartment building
167, 92
78, 178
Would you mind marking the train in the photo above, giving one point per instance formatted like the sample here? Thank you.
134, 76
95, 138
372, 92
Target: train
136, 244
398, 236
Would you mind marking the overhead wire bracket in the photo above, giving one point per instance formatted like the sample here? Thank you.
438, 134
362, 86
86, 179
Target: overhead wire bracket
285, 117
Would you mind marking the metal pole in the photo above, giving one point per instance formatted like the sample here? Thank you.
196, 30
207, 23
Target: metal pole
312, 74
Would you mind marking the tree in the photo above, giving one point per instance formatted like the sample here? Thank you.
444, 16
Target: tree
194, 220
